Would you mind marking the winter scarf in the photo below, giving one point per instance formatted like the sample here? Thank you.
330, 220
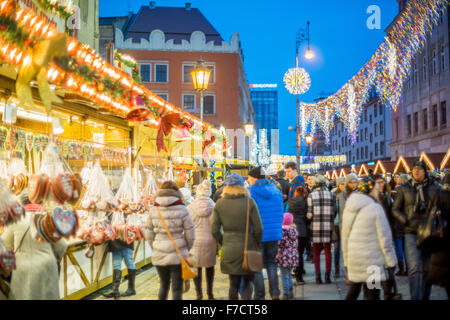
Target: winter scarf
421, 202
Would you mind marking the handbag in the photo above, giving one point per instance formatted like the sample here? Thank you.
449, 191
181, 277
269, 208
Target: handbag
252, 258
430, 233
188, 271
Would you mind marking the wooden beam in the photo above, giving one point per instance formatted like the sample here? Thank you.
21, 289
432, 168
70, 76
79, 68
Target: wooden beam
79, 270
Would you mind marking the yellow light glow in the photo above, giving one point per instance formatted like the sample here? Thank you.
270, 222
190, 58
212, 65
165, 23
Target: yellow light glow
249, 129
309, 55
445, 160
200, 76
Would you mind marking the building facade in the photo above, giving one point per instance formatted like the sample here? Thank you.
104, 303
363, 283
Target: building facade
82, 25
421, 120
374, 134
265, 103
167, 42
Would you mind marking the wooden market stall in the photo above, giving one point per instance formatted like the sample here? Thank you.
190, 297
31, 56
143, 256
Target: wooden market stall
384, 167
432, 160
445, 163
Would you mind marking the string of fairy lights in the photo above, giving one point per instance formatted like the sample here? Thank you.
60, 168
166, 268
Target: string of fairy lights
386, 71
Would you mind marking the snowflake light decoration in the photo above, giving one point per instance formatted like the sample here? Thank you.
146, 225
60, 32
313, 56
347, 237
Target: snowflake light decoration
297, 81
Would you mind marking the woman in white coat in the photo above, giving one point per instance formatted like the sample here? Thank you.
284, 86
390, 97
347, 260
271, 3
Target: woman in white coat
367, 244
36, 275
205, 245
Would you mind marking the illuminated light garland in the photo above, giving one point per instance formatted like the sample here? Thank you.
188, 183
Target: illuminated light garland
297, 81
37, 27
387, 69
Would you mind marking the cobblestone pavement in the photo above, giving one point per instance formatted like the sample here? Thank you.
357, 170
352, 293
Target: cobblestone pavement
147, 286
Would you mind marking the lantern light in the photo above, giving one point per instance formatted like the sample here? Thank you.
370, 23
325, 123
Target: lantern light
309, 139
200, 76
249, 129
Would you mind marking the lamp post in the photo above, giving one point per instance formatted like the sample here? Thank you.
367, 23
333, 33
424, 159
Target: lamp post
200, 78
297, 81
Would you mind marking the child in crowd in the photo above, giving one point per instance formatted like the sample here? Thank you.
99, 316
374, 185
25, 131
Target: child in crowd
287, 255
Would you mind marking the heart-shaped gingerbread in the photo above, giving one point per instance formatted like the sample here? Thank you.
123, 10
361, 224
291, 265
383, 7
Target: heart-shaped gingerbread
64, 221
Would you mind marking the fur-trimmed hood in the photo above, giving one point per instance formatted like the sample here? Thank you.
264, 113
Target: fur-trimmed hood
234, 191
166, 197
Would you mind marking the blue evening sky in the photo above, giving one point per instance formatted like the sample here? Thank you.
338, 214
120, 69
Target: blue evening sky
267, 29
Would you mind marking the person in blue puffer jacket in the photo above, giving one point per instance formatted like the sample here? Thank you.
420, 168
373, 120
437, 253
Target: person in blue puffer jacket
269, 200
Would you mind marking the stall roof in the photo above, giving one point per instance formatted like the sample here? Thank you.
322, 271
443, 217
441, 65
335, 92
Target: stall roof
445, 164
432, 160
384, 166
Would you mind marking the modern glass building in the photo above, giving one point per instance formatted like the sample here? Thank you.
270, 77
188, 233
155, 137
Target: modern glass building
265, 103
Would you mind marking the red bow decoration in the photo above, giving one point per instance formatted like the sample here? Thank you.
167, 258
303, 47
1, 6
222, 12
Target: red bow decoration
168, 121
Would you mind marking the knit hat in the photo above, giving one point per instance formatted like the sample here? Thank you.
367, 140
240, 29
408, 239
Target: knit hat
366, 185
378, 177
288, 219
421, 164
339, 181
234, 180
257, 173
350, 177
203, 189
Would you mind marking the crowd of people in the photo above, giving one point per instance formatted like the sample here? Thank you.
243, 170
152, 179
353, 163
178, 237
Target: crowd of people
370, 224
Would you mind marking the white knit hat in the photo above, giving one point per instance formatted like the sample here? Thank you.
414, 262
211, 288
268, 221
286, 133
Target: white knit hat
204, 189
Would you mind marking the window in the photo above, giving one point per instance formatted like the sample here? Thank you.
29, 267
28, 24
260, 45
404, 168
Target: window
350, 154
381, 128
408, 122
371, 156
376, 129
416, 122
381, 148
164, 96
187, 68
365, 134
161, 72
376, 149
365, 115
424, 69
357, 154
442, 57
370, 119
209, 106
145, 72
346, 141
435, 116
339, 148
371, 138
362, 153
189, 101
342, 141
425, 119
434, 62
416, 76
375, 110
443, 113
367, 152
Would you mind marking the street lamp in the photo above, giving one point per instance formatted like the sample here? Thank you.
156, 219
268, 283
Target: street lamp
309, 139
302, 35
200, 78
249, 129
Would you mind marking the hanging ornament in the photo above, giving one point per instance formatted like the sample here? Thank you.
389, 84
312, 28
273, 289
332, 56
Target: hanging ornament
297, 81
21, 140
352, 116
29, 138
13, 138
3, 136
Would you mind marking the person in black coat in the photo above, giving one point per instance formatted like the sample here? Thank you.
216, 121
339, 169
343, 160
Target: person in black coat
410, 210
285, 185
297, 206
439, 273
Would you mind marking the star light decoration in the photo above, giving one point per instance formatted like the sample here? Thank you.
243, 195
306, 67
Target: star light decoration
297, 81
387, 70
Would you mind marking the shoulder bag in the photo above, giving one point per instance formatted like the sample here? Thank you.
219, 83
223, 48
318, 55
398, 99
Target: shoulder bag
188, 271
252, 258
430, 233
